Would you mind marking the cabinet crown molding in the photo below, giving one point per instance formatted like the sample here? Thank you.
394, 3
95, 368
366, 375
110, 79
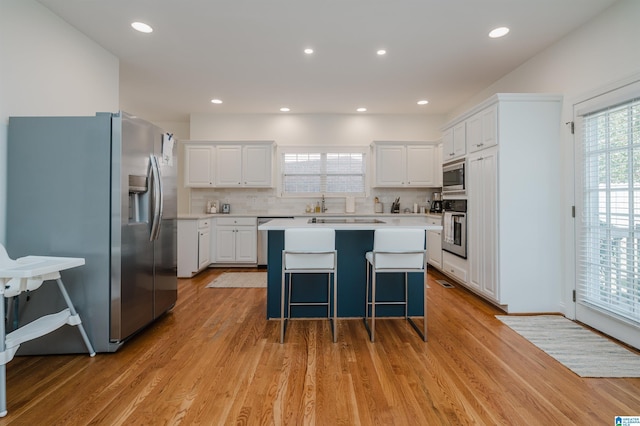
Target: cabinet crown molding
375, 143
503, 97
227, 142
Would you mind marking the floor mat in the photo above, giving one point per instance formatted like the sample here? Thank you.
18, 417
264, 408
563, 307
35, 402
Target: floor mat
581, 350
240, 279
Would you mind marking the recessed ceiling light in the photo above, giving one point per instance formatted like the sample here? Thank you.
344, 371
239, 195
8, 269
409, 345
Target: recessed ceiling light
499, 32
308, 51
381, 52
142, 27
423, 102
361, 110
216, 101
285, 109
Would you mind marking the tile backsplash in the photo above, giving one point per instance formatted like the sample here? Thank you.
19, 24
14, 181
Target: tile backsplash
266, 201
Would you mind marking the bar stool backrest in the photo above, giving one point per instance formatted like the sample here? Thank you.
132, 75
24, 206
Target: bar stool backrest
306, 248
399, 248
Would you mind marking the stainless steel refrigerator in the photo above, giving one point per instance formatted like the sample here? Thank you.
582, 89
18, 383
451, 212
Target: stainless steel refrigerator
102, 188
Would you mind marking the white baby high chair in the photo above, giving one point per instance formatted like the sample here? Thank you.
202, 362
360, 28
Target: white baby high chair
27, 274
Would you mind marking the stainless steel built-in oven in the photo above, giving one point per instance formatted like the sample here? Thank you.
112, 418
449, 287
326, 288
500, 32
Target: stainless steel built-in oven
454, 223
453, 178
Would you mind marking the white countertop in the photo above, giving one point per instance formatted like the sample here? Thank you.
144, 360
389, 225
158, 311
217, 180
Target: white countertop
196, 216
397, 221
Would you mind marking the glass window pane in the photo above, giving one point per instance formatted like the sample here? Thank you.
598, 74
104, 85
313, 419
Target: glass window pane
323, 173
609, 252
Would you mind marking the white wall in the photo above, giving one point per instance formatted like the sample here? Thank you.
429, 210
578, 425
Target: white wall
316, 129
48, 68
600, 52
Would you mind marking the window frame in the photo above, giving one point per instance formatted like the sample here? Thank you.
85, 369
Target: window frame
323, 151
616, 324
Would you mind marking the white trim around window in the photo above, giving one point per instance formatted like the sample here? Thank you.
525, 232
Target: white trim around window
332, 171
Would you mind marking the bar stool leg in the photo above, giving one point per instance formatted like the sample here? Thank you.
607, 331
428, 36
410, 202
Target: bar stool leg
335, 307
282, 291
406, 296
373, 306
366, 299
424, 321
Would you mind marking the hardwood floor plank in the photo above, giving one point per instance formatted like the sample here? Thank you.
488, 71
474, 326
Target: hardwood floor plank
215, 359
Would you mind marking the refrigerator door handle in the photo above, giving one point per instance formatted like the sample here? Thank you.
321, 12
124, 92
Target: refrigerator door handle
157, 198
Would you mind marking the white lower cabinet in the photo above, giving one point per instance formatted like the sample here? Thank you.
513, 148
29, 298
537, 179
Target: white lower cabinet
204, 249
434, 244
236, 240
194, 246
455, 266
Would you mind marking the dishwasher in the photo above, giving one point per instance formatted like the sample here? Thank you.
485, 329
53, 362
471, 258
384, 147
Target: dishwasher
263, 245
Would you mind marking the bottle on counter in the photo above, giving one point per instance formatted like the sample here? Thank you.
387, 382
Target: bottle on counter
318, 207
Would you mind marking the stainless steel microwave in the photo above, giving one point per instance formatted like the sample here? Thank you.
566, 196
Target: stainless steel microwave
453, 176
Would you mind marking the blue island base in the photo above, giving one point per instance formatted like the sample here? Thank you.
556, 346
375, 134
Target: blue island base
351, 246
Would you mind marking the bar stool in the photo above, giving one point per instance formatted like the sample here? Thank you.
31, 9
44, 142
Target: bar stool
396, 250
309, 251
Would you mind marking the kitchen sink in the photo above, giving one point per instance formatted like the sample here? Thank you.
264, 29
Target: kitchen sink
344, 220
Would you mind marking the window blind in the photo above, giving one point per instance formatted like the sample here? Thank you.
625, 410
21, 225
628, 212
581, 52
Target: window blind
316, 172
609, 223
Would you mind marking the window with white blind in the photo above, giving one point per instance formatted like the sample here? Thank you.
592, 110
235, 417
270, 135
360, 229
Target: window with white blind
608, 224
326, 171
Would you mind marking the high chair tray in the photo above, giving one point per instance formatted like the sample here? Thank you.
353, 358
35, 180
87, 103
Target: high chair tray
33, 266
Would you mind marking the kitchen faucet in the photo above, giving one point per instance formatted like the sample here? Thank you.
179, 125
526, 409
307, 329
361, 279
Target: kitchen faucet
323, 209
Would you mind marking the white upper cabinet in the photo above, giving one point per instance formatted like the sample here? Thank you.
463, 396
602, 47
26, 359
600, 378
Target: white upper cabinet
420, 165
227, 165
454, 142
246, 165
199, 163
404, 164
256, 165
391, 164
481, 129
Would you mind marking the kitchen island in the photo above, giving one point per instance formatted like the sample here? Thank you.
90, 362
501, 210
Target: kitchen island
354, 237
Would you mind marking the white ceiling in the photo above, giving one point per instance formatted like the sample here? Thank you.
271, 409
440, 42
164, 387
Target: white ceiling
249, 53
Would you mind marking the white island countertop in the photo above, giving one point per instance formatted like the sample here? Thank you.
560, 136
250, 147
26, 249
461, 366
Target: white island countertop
349, 224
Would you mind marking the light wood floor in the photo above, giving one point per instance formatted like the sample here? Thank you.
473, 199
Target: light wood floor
216, 360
